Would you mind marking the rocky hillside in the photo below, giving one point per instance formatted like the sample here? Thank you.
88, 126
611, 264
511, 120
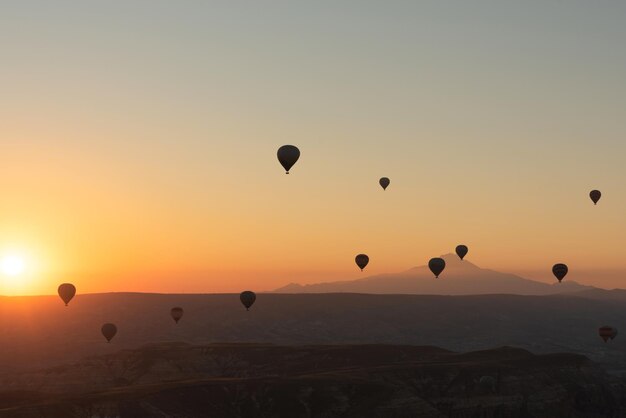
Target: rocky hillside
235, 380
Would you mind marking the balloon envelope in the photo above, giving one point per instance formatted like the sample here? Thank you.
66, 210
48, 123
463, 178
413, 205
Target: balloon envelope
247, 298
66, 292
177, 313
384, 182
109, 331
436, 265
559, 271
288, 155
461, 251
607, 332
362, 260
595, 195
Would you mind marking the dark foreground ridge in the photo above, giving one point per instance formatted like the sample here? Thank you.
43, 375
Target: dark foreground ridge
254, 380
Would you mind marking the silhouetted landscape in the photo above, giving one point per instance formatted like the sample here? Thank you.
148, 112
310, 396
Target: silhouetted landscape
321, 354
235, 380
460, 278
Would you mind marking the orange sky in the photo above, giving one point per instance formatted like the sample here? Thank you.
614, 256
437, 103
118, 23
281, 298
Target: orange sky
138, 150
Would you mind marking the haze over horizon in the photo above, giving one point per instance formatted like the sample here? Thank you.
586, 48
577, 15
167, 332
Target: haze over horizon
460, 277
139, 141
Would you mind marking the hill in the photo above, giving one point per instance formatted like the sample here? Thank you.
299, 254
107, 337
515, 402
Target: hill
235, 380
40, 332
459, 278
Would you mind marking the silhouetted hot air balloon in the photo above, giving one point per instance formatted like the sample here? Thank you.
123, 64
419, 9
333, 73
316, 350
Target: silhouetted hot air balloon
176, 313
595, 195
247, 298
607, 332
559, 271
109, 331
461, 251
384, 182
436, 265
66, 292
288, 155
362, 260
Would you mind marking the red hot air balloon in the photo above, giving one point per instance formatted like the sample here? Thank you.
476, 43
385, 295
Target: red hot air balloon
288, 155
362, 260
177, 313
607, 332
461, 251
436, 265
247, 299
66, 292
109, 331
595, 195
559, 271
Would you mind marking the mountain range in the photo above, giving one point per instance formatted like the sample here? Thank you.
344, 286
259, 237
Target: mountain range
460, 277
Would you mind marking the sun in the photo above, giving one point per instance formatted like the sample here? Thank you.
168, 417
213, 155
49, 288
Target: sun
12, 265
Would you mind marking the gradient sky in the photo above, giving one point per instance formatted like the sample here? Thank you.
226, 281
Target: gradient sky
138, 140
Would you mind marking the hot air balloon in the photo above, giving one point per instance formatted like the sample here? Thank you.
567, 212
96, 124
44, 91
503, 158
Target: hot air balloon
559, 271
247, 298
607, 332
384, 182
461, 251
362, 260
595, 195
109, 331
436, 265
66, 292
288, 155
176, 313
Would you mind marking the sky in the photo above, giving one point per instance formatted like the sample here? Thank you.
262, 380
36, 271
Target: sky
138, 140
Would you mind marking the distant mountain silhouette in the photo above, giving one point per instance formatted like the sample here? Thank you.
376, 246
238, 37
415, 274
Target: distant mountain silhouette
459, 278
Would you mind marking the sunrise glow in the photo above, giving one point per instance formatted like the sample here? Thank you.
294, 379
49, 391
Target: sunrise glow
12, 265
